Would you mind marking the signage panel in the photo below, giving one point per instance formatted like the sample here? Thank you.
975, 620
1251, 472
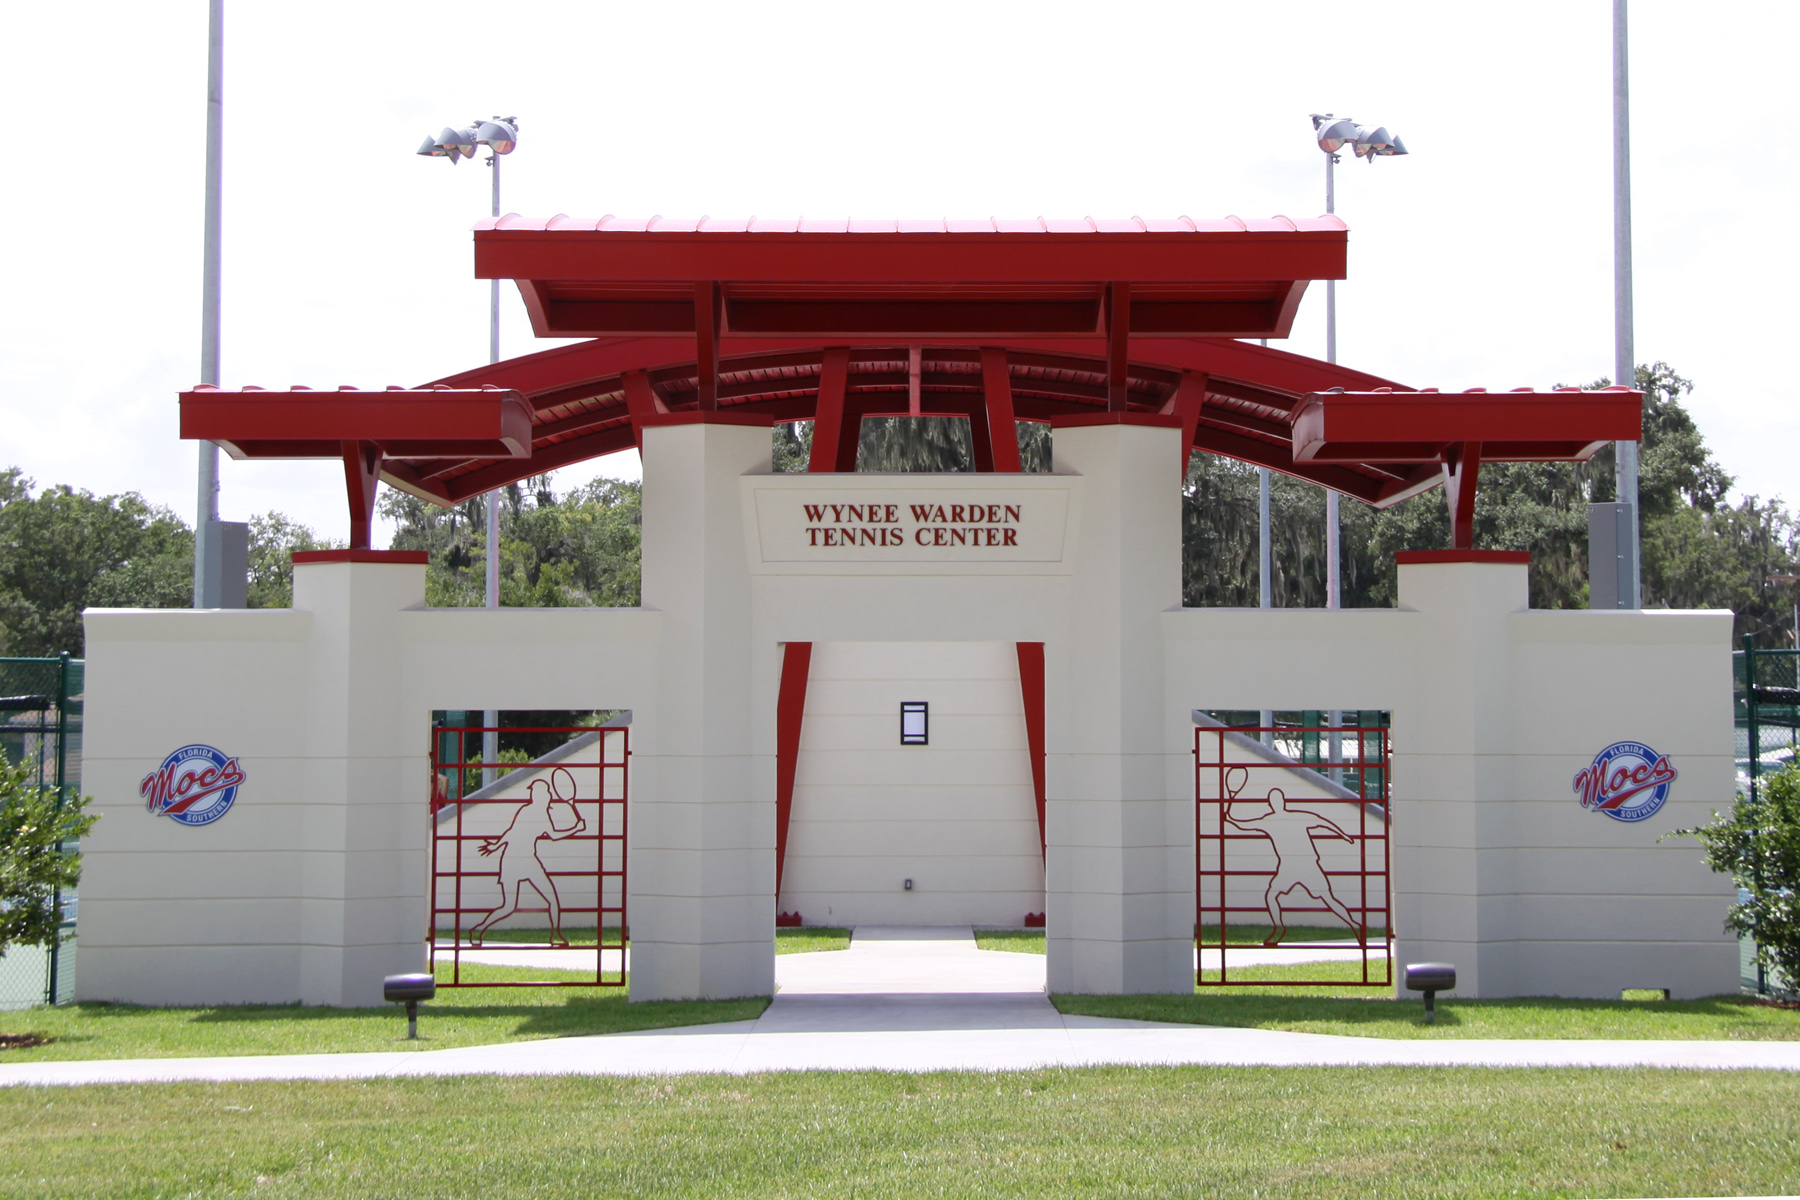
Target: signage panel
941, 524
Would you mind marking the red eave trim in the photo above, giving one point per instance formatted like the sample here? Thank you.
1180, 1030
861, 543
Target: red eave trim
405, 558
926, 258
1510, 557
1149, 420
714, 417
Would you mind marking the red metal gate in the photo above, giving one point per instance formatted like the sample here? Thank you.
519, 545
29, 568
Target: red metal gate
545, 837
1272, 805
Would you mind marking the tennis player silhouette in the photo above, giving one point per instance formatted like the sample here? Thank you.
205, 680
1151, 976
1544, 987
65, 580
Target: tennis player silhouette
517, 845
1297, 865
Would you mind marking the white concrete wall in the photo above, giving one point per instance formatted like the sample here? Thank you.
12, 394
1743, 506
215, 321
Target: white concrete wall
1497, 868
314, 886
958, 816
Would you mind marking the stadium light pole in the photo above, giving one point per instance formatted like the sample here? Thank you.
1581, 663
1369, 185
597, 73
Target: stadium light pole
206, 510
1625, 460
500, 136
1368, 142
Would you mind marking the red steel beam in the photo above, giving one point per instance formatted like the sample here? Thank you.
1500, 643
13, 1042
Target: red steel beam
828, 420
1031, 686
790, 709
1118, 346
1002, 424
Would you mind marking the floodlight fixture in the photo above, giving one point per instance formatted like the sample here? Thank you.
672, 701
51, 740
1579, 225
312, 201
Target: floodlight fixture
498, 135
1366, 141
1370, 142
457, 142
1334, 133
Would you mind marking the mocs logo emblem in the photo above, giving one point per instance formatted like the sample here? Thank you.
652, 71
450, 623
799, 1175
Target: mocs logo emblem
1628, 781
196, 785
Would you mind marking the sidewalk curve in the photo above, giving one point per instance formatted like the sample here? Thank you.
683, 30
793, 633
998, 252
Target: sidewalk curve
916, 1000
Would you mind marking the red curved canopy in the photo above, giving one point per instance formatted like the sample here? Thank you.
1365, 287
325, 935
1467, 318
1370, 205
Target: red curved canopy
1239, 399
992, 321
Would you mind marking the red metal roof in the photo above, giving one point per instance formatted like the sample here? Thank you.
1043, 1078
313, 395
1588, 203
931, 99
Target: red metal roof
756, 277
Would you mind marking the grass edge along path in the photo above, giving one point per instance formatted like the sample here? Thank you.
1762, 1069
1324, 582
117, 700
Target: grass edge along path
458, 1017
1359, 1011
1107, 1131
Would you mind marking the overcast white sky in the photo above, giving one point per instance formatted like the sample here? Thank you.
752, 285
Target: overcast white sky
1483, 259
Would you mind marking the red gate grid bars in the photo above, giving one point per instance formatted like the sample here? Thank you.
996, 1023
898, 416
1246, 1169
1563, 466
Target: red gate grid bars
1282, 840
545, 838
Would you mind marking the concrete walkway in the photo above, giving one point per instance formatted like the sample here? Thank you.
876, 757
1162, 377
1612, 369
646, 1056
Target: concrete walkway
914, 1000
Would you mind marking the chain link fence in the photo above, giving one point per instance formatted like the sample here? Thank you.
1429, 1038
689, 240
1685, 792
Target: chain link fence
40, 726
1766, 708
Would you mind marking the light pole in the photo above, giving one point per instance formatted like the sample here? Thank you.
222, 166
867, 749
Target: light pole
1333, 134
206, 515
500, 136
1368, 142
1625, 469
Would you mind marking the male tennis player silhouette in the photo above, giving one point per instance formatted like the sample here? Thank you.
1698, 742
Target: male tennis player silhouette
517, 846
1297, 865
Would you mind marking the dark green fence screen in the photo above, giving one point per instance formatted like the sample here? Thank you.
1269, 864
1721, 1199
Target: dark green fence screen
40, 726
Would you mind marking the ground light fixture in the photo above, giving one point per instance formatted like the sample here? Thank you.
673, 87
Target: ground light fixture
409, 990
1430, 978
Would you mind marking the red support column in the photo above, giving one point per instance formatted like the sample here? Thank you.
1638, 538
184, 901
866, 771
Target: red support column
1118, 338
1002, 427
1031, 685
641, 402
362, 475
828, 416
1189, 396
708, 311
790, 707
1462, 468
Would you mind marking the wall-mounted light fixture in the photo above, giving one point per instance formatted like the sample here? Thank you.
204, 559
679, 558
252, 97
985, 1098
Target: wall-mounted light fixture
915, 728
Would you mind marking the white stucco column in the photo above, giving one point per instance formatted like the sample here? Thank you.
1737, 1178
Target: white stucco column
363, 830
702, 874
1119, 876
1451, 748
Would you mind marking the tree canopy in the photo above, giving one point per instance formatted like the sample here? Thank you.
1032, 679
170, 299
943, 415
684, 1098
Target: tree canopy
1699, 549
581, 549
63, 550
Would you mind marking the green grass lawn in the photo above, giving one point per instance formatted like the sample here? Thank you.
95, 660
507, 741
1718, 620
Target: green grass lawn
1019, 941
472, 1017
1103, 1132
809, 939
1372, 1012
